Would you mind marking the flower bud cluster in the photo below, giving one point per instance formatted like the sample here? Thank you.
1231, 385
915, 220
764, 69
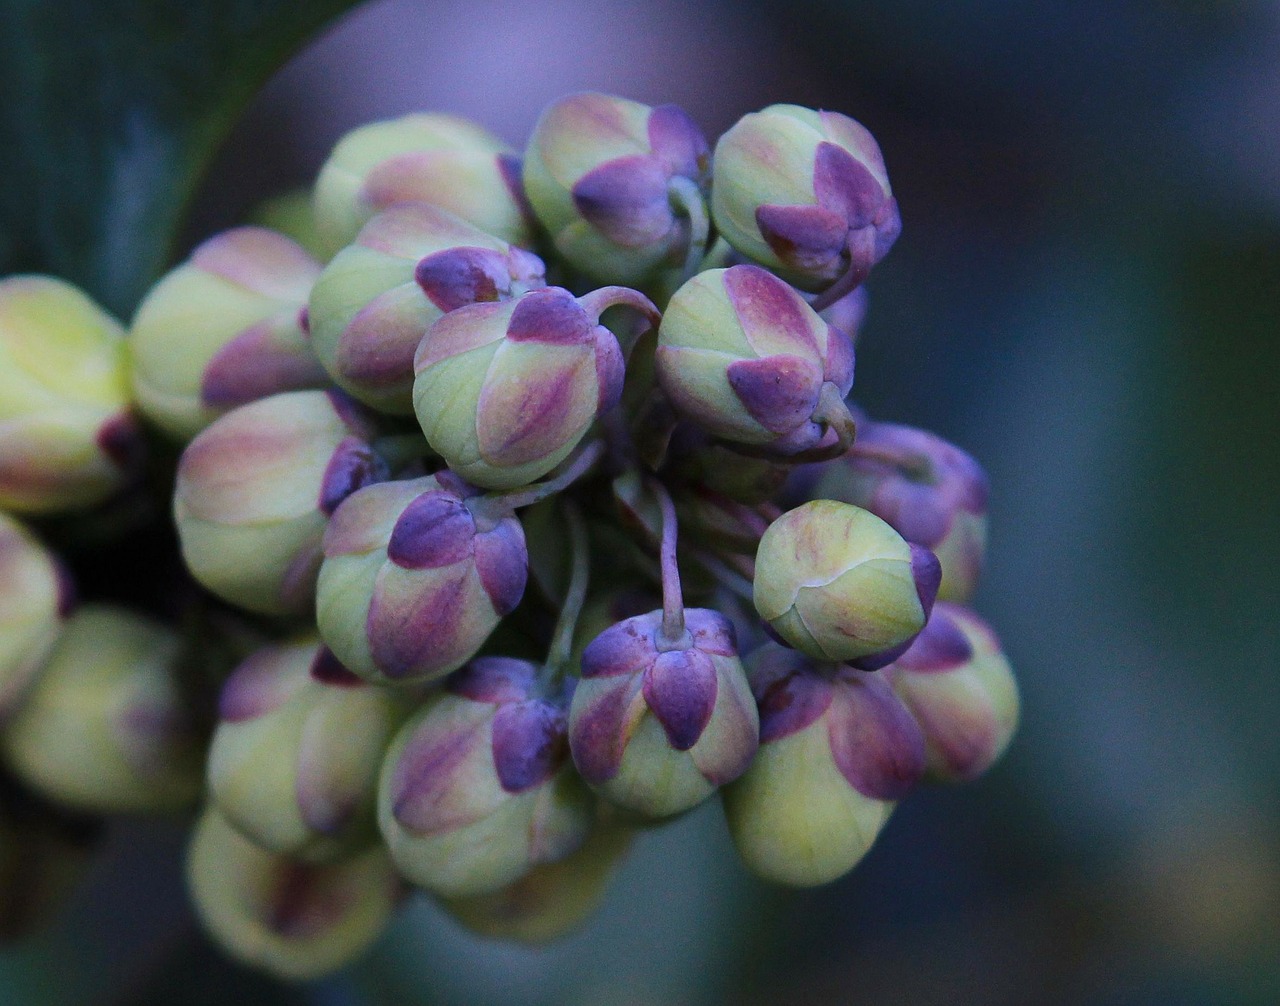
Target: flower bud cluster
447, 471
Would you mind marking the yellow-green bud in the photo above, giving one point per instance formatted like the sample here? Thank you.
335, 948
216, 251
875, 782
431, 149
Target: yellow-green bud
34, 597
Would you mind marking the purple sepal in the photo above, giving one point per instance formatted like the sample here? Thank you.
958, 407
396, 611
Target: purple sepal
807, 238
677, 142
529, 743
121, 440
401, 635
845, 186
875, 742
680, 689
502, 563
711, 631
790, 693
511, 167
329, 670
551, 315
599, 737
263, 360
256, 687
941, 646
927, 572
839, 363
459, 276
626, 200
766, 306
353, 466
623, 648
779, 392
423, 779
435, 530
875, 661
494, 679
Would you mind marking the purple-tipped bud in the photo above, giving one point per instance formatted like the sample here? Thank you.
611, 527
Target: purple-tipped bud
294, 761
837, 751
741, 354
104, 727
416, 575
804, 193
504, 392
223, 329
67, 438
293, 920
552, 899
930, 492
657, 725
422, 158
838, 583
961, 690
255, 489
609, 180
34, 603
377, 298
478, 788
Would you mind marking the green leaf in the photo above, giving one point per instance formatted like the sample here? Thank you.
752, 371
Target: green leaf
111, 110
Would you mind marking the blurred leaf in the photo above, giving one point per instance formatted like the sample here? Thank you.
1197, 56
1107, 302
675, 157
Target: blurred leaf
112, 109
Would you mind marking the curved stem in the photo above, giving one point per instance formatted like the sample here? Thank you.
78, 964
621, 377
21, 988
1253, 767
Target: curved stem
673, 630
833, 413
718, 255
574, 469
687, 197
562, 640
597, 302
846, 284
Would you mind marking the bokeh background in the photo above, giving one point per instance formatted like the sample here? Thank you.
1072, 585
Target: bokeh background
1086, 296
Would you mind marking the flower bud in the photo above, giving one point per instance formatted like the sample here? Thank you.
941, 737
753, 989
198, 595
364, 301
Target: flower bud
35, 598
104, 727
837, 750
477, 788
255, 489
67, 440
552, 899
608, 178
656, 726
695, 458
839, 583
224, 328
291, 214
742, 355
294, 920
804, 193
930, 492
422, 158
416, 575
294, 762
504, 392
377, 298
961, 690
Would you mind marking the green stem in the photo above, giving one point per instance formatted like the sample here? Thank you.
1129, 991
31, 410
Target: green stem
686, 197
574, 469
561, 649
673, 628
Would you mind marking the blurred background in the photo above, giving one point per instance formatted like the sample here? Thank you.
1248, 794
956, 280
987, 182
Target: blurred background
1086, 296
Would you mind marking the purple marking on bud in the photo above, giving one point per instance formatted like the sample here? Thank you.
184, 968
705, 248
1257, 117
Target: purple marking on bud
927, 572
610, 371
808, 238
875, 742
677, 142
875, 661
529, 743
711, 631
459, 276
840, 361
941, 646
680, 689
502, 563
551, 315
120, 439
294, 910
780, 392
329, 670
765, 304
625, 199
304, 320
353, 466
598, 737
791, 702
423, 778
351, 412
435, 530
404, 632
511, 168
624, 648
256, 687
494, 679
843, 185
258, 362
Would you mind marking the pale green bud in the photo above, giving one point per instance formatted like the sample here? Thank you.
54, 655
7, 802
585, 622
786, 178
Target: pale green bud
34, 598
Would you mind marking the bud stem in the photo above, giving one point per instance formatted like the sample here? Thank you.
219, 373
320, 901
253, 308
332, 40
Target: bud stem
833, 413
673, 630
846, 284
574, 469
576, 593
597, 302
687, 197
915, 467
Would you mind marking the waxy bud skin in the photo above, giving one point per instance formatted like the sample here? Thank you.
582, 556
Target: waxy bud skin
35, 597
294, 920
931, 492
224, 328
838, 583
505, 392
478, 788
804, 193
291, 214
961, 690
67, 439
255, 489
295, 758
377, 298
104, 727
741, 354
416, 575
551, 900
837, 751
602, 175
422, 158
656, 726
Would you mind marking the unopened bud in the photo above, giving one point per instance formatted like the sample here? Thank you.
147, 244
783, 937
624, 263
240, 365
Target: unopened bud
35, 597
